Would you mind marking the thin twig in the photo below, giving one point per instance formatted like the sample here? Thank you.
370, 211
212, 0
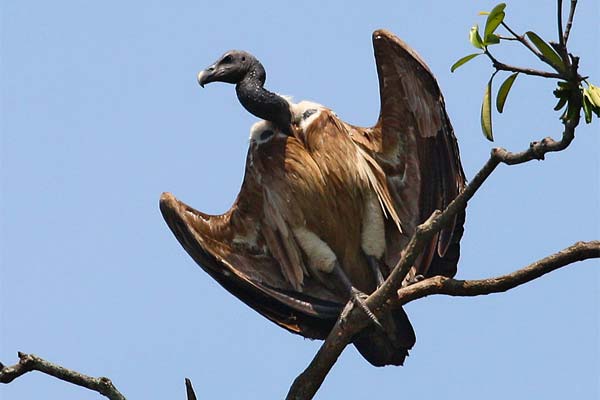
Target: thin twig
499, 66
452, 287
570, 21
507, 38
30, 362
561, 39
523, 40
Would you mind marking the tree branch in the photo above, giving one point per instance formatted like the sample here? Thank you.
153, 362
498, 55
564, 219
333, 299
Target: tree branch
30, 362
561, 37
500, 66
524, 41
452, 287
570, 21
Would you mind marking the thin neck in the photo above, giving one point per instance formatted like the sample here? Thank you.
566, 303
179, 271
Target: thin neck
262, 103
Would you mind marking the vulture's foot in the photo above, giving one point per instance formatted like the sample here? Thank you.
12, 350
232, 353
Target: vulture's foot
356, 296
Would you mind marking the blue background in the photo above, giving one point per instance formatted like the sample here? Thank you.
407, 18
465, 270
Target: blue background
101, 113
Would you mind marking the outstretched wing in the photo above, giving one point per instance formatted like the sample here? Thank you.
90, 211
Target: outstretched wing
229, 248
414, 143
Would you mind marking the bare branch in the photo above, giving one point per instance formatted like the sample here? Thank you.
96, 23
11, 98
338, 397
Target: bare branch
570, 21
561, 48
561, 38
30, 362
501, 37
441, 285
527, 71
499, 66
523, 41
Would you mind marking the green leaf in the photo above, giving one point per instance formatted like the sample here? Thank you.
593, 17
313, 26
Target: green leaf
570, 112
589, 95
463, 60
503, 91
486, 112
475, 38
494, 19
491, 39
587, 110
561, 103
548, 52
594, 95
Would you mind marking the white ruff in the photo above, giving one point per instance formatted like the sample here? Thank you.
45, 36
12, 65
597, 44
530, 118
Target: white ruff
298, 110
257, 130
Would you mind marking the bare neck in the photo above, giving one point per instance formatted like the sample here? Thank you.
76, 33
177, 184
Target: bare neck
262, 103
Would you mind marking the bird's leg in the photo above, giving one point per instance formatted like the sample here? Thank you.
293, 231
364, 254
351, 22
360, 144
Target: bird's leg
375, 265
356, 296
373, 236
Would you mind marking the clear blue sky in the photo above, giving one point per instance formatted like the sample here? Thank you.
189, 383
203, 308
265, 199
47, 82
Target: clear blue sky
101, 113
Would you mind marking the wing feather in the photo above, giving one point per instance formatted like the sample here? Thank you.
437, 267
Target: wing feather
416, 147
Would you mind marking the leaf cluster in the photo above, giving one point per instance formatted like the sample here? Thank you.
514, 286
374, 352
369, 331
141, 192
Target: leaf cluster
553, 55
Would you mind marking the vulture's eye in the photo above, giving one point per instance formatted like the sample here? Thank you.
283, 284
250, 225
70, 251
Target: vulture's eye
227, 59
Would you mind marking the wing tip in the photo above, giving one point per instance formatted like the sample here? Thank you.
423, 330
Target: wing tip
383, 33
167, 200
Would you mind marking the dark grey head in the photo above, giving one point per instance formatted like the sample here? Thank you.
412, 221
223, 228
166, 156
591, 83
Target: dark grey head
233, 67
248, 75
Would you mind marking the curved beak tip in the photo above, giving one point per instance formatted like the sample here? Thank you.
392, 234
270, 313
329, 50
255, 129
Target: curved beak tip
201, 78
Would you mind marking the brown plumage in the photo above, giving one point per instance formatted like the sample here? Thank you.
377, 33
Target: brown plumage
316, 190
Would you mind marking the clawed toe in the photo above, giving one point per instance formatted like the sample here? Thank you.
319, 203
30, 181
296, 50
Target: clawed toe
358, 298
414, 279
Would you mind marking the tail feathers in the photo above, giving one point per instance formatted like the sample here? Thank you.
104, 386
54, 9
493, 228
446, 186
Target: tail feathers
387, 348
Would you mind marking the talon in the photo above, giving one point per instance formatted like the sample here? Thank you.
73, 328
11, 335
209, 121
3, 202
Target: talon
415, 279
356, 296
358, 299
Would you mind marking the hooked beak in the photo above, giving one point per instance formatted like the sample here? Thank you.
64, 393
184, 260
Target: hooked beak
206, 76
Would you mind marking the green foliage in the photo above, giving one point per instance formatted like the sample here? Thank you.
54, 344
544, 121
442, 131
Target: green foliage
463, 60
486, 112
548, 52
475, 37
591, 102
503, 91
571, 94
494, 19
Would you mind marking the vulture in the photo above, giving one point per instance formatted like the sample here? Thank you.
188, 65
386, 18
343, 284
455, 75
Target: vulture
325, 207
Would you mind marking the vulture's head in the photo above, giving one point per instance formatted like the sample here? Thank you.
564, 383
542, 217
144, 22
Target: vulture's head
232, 67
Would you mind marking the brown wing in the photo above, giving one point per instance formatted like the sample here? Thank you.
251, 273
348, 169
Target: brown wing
232, 249
414, 143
